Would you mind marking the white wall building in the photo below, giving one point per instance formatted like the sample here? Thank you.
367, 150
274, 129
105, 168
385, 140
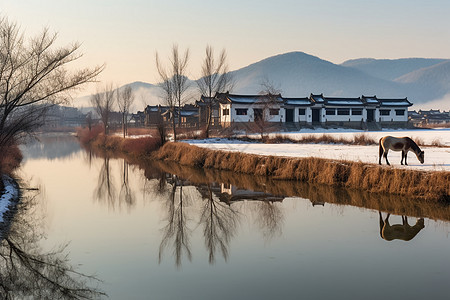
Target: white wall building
313, 110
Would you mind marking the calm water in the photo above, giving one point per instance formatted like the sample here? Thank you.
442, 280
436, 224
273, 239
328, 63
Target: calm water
160, 231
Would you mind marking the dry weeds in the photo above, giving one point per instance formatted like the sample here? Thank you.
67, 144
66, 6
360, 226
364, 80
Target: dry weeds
431, 186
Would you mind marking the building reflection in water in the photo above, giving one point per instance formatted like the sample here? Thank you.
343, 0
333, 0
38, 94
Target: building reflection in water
29, 272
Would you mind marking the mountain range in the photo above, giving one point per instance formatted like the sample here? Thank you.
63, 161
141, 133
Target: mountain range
297, 74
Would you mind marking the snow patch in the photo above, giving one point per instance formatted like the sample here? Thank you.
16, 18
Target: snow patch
9, 195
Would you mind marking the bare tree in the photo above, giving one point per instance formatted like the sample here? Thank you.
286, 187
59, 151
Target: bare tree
103, 102
214, 79
125, 98
174, 82
267, 106
168, 97
34, 75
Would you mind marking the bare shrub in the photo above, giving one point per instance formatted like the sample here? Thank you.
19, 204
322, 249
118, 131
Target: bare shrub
419, 141
86, 135
141, 146
437, 143
363, 139
10, 158
140, 131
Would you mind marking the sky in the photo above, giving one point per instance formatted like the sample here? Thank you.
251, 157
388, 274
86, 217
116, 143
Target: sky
126, 34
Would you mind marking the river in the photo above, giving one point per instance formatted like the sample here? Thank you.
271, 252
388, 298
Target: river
162, 231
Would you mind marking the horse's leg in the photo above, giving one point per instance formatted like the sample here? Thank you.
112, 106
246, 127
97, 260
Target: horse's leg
385, 157
403, 156
381, 223
380, 152
406, 153
386, 221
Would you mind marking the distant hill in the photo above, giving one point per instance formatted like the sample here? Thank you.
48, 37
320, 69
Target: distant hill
144, 93
434, 79
298, 74
390, 69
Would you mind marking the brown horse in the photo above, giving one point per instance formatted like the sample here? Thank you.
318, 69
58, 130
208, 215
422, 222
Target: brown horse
402, 231
403, 144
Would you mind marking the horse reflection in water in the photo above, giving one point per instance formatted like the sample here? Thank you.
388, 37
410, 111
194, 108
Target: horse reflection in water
399, 231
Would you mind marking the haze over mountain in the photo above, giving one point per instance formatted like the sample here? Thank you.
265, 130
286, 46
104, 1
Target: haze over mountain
390, 69
298, 74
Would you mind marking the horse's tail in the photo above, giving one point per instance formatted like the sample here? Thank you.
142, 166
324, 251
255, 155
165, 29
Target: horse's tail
380, 151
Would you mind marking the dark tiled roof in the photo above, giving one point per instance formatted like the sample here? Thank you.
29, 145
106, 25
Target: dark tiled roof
247, 99
315, 99
394, 102
297, 101
343, 101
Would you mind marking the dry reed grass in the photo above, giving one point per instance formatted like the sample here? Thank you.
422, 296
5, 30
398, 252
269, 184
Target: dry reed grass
136, 147
85, 136
431, 186
358, 139
10, 158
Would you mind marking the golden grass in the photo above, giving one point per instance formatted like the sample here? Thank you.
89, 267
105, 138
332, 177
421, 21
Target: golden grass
431, 186
358, 139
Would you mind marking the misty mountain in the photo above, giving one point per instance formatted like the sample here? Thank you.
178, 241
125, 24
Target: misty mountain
436, 77
390, 69
298, 74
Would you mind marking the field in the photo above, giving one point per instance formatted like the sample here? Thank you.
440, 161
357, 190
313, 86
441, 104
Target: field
436, 158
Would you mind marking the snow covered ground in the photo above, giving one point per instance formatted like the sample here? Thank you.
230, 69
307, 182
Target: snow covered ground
9, 195
436, 158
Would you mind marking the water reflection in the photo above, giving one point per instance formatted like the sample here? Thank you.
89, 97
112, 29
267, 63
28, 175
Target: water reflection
402, 231
126, 194
51, 146
105, 191
176, 233
222, 194
219, 221
29, 272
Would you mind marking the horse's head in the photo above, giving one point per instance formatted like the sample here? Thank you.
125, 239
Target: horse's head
421, 156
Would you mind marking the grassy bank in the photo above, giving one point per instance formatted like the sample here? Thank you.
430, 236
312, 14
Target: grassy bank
430, 186
133, 147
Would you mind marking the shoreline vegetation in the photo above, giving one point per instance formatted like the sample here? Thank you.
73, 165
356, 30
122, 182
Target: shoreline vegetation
430, 186
317, 194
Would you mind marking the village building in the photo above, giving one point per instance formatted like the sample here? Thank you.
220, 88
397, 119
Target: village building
429, 117
205, 104
365, 112
362, 112
187, 116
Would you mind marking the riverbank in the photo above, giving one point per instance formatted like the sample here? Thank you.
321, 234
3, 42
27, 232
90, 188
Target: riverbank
9, 197
426, 185
354, 173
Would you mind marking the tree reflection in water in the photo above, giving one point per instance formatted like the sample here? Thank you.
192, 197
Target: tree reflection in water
270, 219
176, 233
105, 190
219, 222
126, 195
27, 271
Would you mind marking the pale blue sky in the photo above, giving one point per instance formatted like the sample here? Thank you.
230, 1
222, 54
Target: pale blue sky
125, 34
